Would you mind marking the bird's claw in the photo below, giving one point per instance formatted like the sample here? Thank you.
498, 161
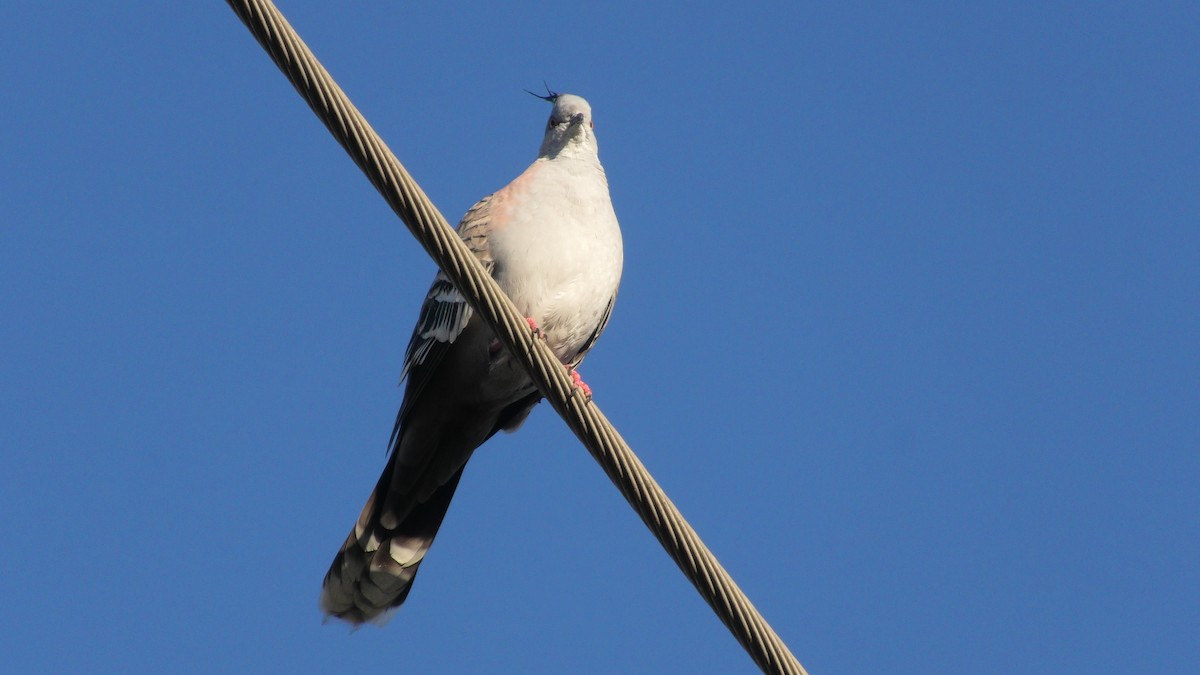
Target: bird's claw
533, 326
575, 378
580, 384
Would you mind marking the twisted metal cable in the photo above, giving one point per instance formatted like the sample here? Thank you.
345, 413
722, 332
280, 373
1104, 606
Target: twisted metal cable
584, 418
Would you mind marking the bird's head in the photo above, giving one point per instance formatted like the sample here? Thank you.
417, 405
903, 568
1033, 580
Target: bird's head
570, 129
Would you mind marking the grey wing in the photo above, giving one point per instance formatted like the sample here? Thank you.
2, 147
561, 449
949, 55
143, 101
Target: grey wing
443, 316
445, 312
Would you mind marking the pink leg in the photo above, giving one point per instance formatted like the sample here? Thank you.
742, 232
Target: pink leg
575, 378
494, 344
587, 391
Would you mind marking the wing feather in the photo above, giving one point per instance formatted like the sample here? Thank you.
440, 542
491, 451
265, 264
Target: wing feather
445, 312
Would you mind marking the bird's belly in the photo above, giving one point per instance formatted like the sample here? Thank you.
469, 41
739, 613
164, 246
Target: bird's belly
564, 281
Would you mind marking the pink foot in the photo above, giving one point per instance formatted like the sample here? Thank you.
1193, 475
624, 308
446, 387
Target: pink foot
587, 391
533, 326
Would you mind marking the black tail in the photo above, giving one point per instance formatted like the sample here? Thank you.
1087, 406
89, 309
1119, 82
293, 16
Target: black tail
375, 568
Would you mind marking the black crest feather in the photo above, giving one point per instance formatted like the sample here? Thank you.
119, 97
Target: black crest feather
550, 96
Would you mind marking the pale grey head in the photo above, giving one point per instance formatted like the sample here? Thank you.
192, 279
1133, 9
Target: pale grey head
570, 130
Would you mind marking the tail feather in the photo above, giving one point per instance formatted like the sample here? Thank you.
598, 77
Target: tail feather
374, 570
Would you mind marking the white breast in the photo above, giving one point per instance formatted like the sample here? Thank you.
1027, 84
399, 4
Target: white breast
558, 250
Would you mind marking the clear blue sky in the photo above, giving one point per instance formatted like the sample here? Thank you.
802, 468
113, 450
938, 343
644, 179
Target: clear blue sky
909, 330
